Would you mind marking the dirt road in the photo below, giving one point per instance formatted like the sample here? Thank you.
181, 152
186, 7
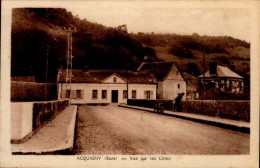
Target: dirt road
115, 130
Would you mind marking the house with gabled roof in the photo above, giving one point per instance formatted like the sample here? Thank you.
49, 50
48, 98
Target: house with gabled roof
106, 86
222, 78
170, 81
192, 86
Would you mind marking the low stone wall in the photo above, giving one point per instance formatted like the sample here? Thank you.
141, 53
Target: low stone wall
27, 117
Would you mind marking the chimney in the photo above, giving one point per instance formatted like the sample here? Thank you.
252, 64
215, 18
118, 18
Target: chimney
233, 66
213, 67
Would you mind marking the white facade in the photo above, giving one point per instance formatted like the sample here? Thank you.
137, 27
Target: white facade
111, 90
172, 85
170, 81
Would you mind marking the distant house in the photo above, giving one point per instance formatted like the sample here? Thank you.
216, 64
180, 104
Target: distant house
222, 78
192, 86
170, 81
106, 86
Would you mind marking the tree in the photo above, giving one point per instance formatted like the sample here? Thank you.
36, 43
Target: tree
192, 68
181, 51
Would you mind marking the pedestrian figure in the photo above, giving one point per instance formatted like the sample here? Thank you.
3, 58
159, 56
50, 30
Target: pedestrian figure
173, 104
177, 102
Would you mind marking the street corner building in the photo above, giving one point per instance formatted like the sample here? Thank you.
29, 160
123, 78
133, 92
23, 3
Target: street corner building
106, 86
169, 78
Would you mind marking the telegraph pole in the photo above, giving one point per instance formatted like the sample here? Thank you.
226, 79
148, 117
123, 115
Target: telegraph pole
46, 73
69, 59
203, 66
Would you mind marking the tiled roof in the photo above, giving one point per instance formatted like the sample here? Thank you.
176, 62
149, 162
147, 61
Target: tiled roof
191, 80
159, 69
222, 72
97, 76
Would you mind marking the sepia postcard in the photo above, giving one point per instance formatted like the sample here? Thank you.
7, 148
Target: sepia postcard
129, 83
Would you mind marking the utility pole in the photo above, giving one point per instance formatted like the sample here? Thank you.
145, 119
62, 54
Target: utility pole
203, 66
46, 73
69, 60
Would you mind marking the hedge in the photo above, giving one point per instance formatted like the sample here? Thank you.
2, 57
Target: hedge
31, 91
228, 109
235, 109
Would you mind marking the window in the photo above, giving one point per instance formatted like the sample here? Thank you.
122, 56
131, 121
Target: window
133, 94
67, 93
94, 94
148, 94
178, 85
114, 79
104, 94
124, 94
63, 94
79, 94
73, 94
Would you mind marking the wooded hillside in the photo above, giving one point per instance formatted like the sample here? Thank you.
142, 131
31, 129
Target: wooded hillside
39, 40
188, 51
39, 46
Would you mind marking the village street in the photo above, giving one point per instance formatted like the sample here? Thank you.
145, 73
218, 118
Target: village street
116, 130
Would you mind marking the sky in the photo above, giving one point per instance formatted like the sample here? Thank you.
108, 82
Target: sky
167, 17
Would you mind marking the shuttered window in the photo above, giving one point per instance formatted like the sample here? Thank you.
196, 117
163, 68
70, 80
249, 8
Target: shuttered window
133, 94
73, 94
94, 94
104, 94
79, 94
148, 94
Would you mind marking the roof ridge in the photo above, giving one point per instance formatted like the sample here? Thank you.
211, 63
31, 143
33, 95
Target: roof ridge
90, 76
223, 71
158, 62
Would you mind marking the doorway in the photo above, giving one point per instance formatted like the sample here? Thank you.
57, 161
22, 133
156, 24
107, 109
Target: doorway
114, 96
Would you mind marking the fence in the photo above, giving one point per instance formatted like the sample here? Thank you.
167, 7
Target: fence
31, 91
229, 109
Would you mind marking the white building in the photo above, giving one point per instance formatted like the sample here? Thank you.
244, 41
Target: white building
106, 86
169, 78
